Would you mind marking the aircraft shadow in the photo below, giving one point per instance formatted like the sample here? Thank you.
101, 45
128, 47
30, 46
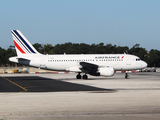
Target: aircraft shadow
40, 84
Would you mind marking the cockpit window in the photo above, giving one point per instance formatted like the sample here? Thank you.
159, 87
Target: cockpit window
138, 59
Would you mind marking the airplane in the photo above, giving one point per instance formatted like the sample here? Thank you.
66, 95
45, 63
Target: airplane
93, 64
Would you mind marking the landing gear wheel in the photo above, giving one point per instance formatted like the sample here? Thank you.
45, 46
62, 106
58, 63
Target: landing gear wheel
78, 76
85, 77
127, 76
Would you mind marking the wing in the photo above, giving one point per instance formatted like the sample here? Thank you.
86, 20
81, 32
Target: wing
89, 68
96, 70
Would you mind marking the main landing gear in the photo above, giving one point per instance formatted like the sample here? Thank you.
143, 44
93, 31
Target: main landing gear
79, 76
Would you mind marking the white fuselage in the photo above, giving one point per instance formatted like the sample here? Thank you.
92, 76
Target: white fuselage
119, 62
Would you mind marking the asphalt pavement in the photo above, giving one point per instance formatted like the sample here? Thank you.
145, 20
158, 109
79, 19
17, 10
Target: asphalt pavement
41, 84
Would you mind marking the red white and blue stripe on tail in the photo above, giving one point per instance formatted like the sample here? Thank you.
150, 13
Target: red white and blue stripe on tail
23, 46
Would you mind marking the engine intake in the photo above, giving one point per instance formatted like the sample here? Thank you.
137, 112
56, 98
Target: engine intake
106, 71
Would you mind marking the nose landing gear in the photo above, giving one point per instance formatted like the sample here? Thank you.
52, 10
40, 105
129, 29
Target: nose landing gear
127, 76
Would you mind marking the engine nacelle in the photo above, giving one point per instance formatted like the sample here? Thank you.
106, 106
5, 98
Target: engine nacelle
106, 71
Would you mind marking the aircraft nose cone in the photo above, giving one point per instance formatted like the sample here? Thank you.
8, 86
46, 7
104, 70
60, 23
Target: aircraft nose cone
144, 64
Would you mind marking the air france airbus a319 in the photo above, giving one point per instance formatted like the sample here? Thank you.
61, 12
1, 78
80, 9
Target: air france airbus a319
93, 64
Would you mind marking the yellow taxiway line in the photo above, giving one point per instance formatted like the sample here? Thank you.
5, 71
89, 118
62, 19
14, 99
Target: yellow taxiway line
15, 84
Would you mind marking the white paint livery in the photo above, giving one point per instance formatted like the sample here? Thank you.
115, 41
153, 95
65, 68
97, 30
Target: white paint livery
93, 64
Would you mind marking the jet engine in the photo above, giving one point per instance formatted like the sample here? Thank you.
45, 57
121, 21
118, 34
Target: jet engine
106, 71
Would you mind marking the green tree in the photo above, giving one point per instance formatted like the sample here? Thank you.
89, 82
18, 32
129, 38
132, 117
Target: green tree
48, 49
2, 55
139, 51
38, 47
153, 58
121, 50
10, 52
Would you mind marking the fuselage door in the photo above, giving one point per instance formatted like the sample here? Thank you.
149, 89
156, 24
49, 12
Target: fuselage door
42, 62
128, 62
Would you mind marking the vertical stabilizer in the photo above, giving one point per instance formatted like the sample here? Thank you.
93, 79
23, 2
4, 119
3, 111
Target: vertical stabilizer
22, 45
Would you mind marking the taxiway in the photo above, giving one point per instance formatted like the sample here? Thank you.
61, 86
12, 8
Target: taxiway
62, 97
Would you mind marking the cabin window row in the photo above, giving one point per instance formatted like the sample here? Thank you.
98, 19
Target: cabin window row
85, 60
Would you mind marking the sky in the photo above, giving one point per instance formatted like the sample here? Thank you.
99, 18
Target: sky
116, 22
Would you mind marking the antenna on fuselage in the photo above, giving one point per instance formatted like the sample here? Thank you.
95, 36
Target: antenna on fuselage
126, 52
